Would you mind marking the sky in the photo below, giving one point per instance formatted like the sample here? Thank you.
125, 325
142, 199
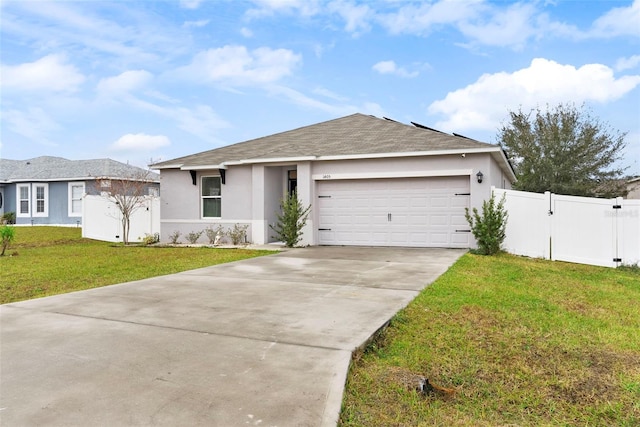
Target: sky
149, 81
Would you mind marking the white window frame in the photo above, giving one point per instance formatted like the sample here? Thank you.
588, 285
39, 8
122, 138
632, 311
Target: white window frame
202, 198
45, 199
70, 211
19, 201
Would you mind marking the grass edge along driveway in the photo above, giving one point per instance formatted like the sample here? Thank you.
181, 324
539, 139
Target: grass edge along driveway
522, 341
45, 261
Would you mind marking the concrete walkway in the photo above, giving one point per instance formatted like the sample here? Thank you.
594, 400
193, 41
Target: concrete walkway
265, 341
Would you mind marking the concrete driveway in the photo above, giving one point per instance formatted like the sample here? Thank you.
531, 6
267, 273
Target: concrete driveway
265, 341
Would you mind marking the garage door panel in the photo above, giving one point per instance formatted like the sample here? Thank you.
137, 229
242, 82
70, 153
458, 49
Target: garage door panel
439, 202
419, 202
439, 238
459, 221
439, 220
424, 212
418, 220
460, 239
460, 202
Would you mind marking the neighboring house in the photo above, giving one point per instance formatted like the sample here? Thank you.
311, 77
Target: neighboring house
369, 181
50, 190
633, 187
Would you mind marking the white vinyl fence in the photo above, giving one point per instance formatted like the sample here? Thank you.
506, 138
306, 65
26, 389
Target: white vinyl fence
102, 220
585, 230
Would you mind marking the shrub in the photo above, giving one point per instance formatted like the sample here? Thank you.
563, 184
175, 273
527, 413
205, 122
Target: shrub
7, 234
8, 218
291, 221
193, 236
238, 234
489, 228
150, 239
175, 236
214, 234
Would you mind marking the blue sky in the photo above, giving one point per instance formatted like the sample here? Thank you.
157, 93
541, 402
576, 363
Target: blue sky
138, 81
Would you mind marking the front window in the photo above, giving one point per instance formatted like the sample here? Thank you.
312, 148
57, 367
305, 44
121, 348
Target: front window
76, 191
211, 197
40, 200
24, 200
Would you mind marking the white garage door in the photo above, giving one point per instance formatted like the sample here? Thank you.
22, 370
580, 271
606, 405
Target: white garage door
421, 212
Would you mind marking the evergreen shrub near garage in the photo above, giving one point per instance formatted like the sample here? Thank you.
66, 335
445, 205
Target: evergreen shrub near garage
291, 220
489, 227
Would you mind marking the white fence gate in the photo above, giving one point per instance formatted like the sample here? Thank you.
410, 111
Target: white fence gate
585, 230
102, 220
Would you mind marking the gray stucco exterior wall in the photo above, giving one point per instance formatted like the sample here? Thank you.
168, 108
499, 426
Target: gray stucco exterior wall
252, 193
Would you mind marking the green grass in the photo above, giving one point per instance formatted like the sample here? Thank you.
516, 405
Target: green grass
46, 261
526, 342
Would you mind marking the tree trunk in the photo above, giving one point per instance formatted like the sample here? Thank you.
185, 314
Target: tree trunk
125, 229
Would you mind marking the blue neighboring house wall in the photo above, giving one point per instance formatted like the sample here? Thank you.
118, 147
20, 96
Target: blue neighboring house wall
49, 190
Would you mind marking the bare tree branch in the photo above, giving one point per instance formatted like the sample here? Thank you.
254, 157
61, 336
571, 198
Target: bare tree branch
128, 194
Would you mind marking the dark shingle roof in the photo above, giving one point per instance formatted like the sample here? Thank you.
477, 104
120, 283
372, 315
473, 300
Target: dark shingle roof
357, 134
47, 168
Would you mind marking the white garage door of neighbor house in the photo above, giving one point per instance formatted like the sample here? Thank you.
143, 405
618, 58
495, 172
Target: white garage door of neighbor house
419, 212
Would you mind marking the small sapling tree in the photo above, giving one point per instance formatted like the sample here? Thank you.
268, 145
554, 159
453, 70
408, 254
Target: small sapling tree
7, 234
291, 220
128, 194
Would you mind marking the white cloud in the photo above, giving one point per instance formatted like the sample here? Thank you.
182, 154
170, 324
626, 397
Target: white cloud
412, 19
336, 109
124, 83
196, 24
390, 67
512, 26
50, 74
246, 32
235, 65
501, 24
34, 124
140, 142
328, 94
190, 4
79, 28
485, 103
356, 17
619, 21
627, 63
200, 121
270, 7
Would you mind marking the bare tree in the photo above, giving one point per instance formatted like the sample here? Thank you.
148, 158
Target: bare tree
128, 194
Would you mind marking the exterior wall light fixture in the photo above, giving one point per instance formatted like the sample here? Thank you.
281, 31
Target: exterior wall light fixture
479, 175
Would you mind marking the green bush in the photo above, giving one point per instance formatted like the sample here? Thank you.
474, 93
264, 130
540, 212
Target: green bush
291, 220
150, 239
7, 234
489, 228
8, 218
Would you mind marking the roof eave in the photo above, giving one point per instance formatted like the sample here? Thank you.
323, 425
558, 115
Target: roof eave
167, 166
495, 151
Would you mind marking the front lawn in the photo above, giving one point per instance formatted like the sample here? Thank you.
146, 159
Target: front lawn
53, 260
523, 341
